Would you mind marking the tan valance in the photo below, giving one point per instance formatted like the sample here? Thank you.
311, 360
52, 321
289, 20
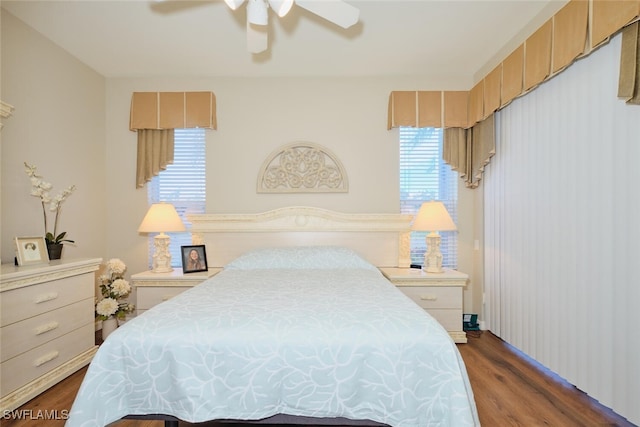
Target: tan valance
629, 82
609, 16
512, 72
476, 103
492, 86
537, 56
468, 151
430, 109
570, 28
414, 108
456, 109
155, 115
467, 116
172, 110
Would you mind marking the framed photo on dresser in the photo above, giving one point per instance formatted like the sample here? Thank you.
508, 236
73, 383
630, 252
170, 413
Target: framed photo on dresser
31, 250
194, 258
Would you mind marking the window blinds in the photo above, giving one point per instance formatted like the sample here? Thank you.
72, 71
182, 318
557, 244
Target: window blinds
183, 184
424, 176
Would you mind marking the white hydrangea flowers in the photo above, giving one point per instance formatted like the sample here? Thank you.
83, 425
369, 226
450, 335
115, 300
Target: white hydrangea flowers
114, 287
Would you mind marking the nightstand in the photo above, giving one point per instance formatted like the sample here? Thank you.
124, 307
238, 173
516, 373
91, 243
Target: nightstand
153, 288
440, 294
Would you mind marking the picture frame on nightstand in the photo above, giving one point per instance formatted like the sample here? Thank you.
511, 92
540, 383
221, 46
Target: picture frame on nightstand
194, 258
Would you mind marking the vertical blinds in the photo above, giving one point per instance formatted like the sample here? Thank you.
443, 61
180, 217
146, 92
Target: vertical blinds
561, 205
424, 176
183, 184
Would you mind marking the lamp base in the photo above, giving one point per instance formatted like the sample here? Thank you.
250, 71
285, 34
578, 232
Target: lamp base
433, 256
162, 256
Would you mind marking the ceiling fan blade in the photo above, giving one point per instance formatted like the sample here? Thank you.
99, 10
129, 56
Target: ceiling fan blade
257, 38
233, 4
336, 11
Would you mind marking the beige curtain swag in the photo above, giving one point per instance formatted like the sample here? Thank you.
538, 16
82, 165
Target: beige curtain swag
468, 151
155, 152
155, 115
629, 82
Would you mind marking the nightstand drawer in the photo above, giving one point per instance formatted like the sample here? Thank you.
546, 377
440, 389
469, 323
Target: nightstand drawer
434, 297
451, 320
148, 296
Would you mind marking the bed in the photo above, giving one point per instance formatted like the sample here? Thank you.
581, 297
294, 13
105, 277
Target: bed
307, 333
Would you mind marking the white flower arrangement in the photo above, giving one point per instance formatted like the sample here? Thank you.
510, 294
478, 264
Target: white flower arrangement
40, 189
114, 287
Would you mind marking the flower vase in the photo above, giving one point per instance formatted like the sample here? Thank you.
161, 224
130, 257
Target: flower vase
54, 250
108, 326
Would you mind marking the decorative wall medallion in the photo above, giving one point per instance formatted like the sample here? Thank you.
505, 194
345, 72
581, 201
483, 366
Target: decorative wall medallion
302, 167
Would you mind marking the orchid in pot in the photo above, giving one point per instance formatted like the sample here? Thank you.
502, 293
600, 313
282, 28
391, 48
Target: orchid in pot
41, 189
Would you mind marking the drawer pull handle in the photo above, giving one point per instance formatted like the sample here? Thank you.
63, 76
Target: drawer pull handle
428, 297
46, 297
46, 327
46, 358
167, 297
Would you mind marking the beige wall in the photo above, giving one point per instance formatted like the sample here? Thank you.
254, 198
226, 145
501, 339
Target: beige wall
59, 126
255, 117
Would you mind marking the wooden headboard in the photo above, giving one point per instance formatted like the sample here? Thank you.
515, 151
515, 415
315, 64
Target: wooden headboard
382, 239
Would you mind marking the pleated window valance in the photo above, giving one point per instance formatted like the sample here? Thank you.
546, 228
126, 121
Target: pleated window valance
467, 116
575, 30
428, 109
155, 115
173, 110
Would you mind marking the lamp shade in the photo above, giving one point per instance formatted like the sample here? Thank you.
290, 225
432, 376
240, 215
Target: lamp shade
433, 216
161, 218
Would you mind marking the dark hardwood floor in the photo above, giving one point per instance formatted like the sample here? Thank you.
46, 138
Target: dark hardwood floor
509, 389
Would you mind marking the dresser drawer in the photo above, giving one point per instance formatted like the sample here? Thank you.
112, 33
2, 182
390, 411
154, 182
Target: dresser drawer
434, 297
22, 336
29, 301
148, 296
28, 366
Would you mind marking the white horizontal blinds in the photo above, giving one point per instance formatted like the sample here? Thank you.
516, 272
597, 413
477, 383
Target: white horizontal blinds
183, 184
424, 176
561, 214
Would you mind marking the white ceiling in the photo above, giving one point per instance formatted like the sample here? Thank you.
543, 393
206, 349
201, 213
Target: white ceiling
426, 38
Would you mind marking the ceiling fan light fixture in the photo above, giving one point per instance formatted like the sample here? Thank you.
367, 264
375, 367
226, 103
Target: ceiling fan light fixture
281, 7
258, 12
234, 4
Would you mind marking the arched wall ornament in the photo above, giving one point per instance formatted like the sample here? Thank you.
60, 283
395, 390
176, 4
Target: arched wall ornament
6, 110
302, 167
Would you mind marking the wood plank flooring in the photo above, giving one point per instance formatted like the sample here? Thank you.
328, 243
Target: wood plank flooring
509, 389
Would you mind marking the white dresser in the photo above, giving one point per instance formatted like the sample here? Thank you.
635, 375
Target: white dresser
47, 326
440, 294
153, 288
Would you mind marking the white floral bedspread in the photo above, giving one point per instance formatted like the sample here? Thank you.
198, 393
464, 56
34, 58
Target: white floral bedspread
252, 344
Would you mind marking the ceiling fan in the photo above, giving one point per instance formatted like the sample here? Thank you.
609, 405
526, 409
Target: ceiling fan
335, 11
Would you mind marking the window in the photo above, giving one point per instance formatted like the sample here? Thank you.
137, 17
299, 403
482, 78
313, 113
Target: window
425, 176
183, 184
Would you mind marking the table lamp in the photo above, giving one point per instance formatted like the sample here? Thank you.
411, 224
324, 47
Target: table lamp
160, 218
433, 217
